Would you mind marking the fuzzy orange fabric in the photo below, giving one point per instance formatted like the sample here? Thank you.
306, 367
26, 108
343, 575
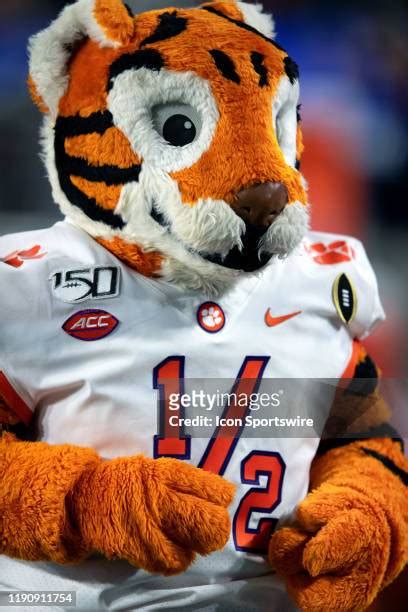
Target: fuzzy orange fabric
107, 196
86, 91
60, 503
226, 7
350, 538
146, 263
110, 148
157, 514
35, 480
244, 149
114, 19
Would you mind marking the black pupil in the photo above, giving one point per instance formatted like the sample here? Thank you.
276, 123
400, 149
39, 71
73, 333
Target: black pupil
179, 130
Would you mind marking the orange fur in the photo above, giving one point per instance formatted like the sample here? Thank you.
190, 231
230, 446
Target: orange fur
148, 264
355, 530
36, 478
60, 503
86, 92
244, 149
172, 510
113, 17
110, 148
227, 7
107, 196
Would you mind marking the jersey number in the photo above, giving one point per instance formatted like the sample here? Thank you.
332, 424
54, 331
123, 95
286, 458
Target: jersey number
171, 441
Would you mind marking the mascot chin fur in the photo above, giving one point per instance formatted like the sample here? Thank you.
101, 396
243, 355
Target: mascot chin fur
172, 143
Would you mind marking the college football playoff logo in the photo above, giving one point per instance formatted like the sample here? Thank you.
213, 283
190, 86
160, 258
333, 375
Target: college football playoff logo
74, 286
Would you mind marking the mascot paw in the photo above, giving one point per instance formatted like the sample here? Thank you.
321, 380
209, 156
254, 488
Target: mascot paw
157, 514
336, 556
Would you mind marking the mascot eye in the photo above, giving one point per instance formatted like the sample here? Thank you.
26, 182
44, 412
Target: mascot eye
169, 117
179, 130
178, 124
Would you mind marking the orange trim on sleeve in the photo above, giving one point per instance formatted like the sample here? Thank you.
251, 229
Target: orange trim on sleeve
353, 361
14, 401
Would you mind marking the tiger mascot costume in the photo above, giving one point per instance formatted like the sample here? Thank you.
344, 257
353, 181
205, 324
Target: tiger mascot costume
172, 143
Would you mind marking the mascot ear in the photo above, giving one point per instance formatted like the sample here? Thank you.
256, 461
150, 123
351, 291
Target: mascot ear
251, 14
107, 22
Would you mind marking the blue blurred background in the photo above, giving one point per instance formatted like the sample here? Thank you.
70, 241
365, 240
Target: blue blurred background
353, 58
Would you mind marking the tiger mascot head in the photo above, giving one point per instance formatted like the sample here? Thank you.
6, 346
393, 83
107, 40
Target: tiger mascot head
172, 136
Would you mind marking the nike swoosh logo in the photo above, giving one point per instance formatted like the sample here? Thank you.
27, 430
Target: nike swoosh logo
272, 321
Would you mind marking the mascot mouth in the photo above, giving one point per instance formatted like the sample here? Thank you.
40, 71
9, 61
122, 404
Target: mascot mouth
247, 258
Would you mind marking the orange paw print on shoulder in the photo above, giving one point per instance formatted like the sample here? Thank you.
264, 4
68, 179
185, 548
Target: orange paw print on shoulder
17, 258
335, 252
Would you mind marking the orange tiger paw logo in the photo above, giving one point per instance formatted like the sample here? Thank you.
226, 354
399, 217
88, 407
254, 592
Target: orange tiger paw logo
328, 254
17, 258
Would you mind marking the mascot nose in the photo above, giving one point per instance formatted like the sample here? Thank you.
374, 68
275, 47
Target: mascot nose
260, 204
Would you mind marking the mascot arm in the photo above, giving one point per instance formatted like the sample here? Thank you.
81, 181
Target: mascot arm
349, 539
61, 503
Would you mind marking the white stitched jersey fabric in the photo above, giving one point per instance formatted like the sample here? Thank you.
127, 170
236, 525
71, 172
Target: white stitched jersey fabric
86, 343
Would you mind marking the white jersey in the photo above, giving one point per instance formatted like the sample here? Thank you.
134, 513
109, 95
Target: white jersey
88, 345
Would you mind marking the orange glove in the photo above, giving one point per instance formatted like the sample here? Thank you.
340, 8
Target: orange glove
350, 538
155, 513
60, 503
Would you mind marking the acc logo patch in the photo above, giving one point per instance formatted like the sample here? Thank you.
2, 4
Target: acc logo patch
328, 254
211, 317
345, 298
90, 325
74, 286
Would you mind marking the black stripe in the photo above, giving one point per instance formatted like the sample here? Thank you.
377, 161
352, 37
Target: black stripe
382, 431
366, 369
242, 24
67, 166
111, 175
145, 58
388, 464
88, 205
225, 65
365, 379
291, 69
129, 10
257, 62
170, 25
78, 126
25, 433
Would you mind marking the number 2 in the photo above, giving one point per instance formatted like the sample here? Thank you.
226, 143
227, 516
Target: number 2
257, 499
